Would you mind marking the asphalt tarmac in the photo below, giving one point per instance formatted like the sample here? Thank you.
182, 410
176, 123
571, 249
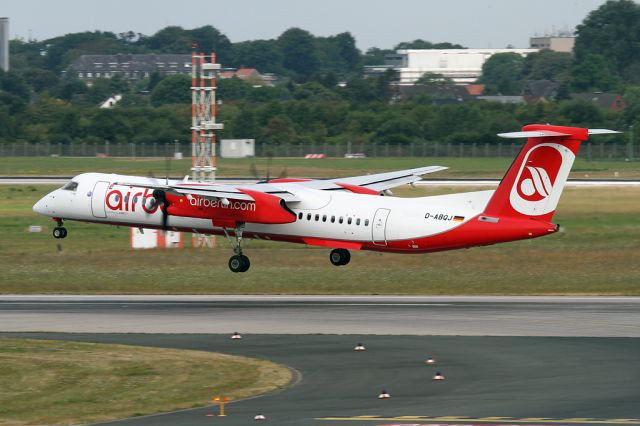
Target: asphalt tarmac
488, 380
503, 359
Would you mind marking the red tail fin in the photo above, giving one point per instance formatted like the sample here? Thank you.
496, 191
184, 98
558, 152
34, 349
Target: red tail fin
534, 183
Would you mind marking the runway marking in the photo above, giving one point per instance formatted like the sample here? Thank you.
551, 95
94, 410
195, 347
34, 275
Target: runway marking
471, 420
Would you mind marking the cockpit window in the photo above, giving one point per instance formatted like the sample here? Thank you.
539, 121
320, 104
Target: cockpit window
70, 186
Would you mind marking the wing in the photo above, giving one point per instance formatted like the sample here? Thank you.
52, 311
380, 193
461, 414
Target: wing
374, 183
214, 190
285, 188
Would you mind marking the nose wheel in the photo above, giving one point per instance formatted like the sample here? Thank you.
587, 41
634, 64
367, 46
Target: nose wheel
59, 231
340, 257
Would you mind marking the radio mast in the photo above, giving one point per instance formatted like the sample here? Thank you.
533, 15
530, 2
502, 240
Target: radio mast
203, 116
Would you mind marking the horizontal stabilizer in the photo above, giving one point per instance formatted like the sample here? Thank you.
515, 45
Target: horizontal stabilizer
533, 134
603, 132
551, 133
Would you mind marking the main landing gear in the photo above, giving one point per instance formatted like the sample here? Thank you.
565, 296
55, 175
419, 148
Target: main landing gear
340, 257
59, 231
238, 262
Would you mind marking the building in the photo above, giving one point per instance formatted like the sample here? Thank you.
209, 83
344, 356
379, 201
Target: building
250, 75
610, 101
237, 148
4, 44
441, 94
560, 43
463, 66
128, 66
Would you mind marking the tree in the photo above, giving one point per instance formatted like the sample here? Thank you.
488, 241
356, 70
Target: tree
262, 55
613, 32
593, 73
501, 73
423, 44
375, 56
233, 89
434, 80
397, 131
298, 52
547, 65
174, 89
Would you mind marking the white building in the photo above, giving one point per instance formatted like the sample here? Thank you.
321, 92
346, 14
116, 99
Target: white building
463, 66
237, 148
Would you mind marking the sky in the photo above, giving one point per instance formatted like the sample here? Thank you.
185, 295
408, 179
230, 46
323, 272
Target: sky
379, 23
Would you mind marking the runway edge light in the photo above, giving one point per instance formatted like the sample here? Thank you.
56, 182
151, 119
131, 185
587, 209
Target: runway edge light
430, 361
259, 417
359, 347
438, 376
236, 336
384, 394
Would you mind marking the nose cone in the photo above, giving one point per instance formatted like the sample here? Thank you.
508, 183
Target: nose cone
41, 206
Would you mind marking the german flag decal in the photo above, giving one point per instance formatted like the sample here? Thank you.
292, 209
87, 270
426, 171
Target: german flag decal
458, 218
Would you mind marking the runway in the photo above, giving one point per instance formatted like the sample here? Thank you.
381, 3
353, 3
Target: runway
503, 358
382, 315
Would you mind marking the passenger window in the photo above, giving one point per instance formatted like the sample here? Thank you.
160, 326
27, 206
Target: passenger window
70, 186
300, 215
333, 219
135, 200
366, 222
308, 216
340, 220
324, 218
317, 217
358, 221
349, 221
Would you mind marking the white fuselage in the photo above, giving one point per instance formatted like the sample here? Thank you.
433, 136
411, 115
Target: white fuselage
320, 214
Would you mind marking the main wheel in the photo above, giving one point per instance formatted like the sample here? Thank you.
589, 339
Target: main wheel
239, 263
246, 263
339, 257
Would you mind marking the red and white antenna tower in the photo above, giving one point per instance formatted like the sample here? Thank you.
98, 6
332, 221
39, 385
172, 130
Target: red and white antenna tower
203, 116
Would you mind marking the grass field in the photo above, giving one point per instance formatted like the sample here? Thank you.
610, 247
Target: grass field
597, 253
55, 382
296, 167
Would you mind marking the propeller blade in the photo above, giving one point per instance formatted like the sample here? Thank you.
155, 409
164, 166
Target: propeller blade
167, 166
269, 160
165, 216
160, 198
254, 171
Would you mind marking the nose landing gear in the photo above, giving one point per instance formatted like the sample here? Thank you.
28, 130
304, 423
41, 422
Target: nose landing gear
340, 257
59, 231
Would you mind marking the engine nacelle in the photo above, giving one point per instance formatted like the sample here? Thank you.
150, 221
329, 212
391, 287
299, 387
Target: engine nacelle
264, 208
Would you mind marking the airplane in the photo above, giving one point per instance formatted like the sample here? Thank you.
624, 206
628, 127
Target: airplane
342, 214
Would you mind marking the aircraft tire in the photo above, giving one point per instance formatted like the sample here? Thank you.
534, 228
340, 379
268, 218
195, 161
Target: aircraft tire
339, 257
239, 263
59, 232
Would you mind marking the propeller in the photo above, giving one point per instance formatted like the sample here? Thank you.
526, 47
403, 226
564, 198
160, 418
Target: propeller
160, 198
254, 171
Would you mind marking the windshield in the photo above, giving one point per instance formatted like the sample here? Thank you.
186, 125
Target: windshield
70, 186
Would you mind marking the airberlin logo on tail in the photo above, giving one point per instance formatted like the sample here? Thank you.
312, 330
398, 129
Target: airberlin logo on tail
542, 175
537, 186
